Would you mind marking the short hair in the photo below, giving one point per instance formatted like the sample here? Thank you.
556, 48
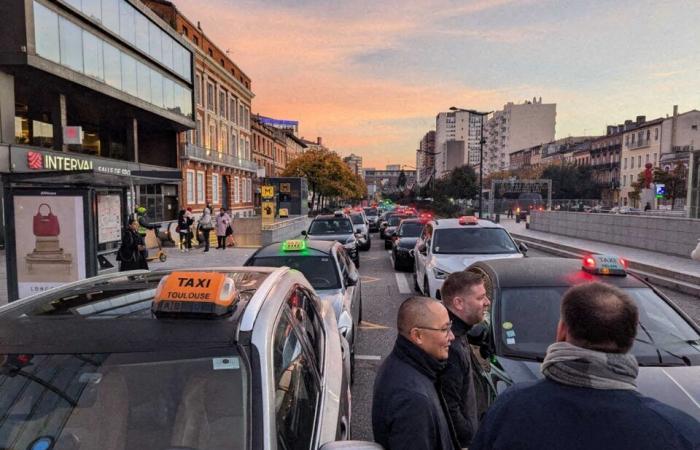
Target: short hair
457, 283
600, 317
411, 311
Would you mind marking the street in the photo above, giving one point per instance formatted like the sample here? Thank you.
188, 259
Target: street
383, 290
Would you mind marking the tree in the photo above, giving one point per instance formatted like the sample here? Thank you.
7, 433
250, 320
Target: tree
572, 182
675, 181
636, 193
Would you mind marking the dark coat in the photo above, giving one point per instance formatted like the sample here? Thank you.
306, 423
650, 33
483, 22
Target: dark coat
128, 255
458, 384
547, 414
407, 410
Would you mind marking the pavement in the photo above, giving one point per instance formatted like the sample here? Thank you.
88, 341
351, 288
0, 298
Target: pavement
197, 257
675, 272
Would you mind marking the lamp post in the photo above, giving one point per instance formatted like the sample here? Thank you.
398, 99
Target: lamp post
482, 141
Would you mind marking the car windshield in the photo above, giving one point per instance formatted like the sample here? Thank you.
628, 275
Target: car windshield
371, 211
340, 225
529, 316
467, 241
357, 219
394, 221
321, 271
123, 400
410, 229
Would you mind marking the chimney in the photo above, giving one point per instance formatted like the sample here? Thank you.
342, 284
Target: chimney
641, 119
319, 141
628, 124
611, 130
674, 125
199, 25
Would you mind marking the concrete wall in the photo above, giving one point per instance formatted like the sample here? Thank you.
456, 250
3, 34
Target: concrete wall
675, 236
283, 230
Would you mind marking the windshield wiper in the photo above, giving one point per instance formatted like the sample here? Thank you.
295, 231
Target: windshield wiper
685, 359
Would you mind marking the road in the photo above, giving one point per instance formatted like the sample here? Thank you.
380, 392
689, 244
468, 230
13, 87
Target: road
383, 290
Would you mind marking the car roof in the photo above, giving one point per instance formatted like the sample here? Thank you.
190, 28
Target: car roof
112, 314
313, 247
331, 216
535, 272
411, 220
454, 223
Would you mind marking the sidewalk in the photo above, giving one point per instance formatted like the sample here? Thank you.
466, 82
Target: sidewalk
677, 273
197, 258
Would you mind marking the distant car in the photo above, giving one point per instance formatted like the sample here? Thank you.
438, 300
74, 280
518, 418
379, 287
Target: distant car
450, 245
404, 241
330, 271
236, 358
335, 227
361, 225
372, 215
391, 225
526, 297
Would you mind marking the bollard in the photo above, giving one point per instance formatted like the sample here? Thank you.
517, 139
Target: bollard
498, 218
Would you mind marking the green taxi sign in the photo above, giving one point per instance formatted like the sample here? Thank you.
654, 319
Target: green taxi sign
293, 245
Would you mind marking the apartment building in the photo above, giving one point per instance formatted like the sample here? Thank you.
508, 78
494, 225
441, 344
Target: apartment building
216, 158
641, 144
462, 129
605, 160
264, 148
680, 135
425, 159
355, 163
516, 127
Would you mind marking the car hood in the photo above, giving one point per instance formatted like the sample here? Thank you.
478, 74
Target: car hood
334, 297
407, 242
342, 238
455, 263
675, 386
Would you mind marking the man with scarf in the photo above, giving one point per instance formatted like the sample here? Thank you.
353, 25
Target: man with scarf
408, 410
588, 398
464, 296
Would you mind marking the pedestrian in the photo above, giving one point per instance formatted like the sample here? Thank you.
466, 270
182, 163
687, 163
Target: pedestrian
408, 410
588, 397
205, 225
131, 251
184, 225
647, 207
464, 295
190, 220
223, 221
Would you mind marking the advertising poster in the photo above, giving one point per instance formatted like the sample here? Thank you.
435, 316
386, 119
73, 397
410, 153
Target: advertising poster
49, 242
109, 218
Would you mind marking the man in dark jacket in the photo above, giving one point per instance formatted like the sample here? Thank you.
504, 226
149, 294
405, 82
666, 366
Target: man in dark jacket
408, 411
464, 296
588, 398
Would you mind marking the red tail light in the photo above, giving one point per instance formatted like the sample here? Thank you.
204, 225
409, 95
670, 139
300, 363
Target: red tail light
624, 263
589, 262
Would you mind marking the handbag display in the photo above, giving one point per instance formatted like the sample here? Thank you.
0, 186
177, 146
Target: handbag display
46, 225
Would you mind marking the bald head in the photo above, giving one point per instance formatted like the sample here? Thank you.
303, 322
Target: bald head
413, 313
599, 317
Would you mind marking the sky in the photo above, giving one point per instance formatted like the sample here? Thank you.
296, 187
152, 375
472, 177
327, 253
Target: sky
370, 76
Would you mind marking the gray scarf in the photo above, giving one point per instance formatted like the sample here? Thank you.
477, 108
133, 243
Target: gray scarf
575, 366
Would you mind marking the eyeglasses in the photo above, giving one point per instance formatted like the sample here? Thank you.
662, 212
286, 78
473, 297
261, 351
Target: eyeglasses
445, 330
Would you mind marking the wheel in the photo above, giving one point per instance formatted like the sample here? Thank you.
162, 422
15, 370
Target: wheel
387, 245
415, 283
163, 257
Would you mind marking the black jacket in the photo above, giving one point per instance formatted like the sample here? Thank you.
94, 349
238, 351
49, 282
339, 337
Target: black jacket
128, 255
547, 414
458, 384
407, 411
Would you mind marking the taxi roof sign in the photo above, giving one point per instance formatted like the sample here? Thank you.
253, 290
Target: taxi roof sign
194, 294
604, 265
293, 245
468, 220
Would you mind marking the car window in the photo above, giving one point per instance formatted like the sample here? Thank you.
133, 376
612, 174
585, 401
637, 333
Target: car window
465, 241
528, 320
296, 386
306, 313
410, 229
331, 226
371, 211
344, 263
357, 219
321, 271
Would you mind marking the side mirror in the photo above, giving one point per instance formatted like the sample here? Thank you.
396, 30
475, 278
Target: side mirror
523, 247
352, 279
358, 230
422, 249
304, 233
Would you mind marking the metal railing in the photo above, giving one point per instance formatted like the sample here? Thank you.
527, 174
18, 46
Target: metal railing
191, 151
639, 144
282, 223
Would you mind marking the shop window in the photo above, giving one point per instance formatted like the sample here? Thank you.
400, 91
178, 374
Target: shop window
200, 187
190, 187
46, 33
215, 188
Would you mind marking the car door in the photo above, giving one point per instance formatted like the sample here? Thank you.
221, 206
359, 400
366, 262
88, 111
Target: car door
350, 293
422, 257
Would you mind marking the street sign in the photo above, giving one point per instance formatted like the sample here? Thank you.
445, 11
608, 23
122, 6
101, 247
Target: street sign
267, 191
268, 210
660, 190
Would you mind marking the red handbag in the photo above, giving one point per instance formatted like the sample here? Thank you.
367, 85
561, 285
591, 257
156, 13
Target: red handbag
46, 225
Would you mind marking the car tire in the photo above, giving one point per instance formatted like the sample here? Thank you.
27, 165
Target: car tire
369, 243
397, 267
387, 245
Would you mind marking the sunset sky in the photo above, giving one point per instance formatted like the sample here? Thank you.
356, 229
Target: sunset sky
370, 76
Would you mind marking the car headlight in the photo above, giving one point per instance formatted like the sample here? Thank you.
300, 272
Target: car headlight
440, 274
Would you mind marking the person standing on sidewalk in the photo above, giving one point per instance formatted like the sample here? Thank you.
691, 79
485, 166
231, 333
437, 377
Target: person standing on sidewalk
464, 296
588, 397
205, 225
223, 221
184, 225
408, 410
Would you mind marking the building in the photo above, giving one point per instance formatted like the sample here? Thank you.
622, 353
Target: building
217, 164
93, 98
605, 160
393, 167
287, 125
264, 148
315, 145
425, 159
680, 135
561, 151
355, 163
386, 181
457, 139
516, 127
641, 144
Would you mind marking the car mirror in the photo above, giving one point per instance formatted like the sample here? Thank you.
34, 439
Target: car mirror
523, 247
422, 249
352, 279
303, 232
351, 445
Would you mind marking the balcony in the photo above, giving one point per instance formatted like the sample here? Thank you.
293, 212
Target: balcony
197, 153
606, 166
638, 144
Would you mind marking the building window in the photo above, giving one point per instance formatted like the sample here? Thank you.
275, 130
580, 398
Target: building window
648, 134
250, 190
197, 87
210, 97
190, 187
624, 180
234, 140
223, 145
241, 148
195, 39
240, 115
632, 162
222, 104
232, 110
639, 161
185, 32
647, 159
211, 53
624, 164
198, 131
654, 159
215, 188
212, 136
236, 193
200, 187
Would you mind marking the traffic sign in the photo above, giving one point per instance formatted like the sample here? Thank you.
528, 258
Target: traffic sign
267, 191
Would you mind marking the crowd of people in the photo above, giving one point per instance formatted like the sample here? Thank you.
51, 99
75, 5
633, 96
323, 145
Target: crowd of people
426, 391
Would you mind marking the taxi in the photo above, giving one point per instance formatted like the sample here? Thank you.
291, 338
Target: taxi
336, 227
403, 242
235, 358
450, 245
526, 298
329, 269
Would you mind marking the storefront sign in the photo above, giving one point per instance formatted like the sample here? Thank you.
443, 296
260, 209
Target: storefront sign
72, 135
26, 160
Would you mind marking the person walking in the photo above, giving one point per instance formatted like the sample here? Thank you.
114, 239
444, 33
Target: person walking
205, 225
408, 410
464, 295
184, 228
588, 397
223, 221
131, 251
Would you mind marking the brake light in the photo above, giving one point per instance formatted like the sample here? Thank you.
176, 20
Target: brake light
589, 262
624, 263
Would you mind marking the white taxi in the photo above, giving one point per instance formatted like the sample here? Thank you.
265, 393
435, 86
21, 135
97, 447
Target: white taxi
451, 245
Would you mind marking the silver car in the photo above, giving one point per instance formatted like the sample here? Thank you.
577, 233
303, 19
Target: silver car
361, 225
336, 227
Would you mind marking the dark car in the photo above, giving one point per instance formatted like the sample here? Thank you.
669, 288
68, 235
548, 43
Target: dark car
372, 214
525, 303
336, 227
404, 240
389, 226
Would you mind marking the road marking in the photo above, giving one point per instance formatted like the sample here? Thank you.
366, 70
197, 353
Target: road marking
366, 279
372, 326
368, 357
402, 283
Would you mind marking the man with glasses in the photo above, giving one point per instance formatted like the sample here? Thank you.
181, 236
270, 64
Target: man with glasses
464, 296
408, 409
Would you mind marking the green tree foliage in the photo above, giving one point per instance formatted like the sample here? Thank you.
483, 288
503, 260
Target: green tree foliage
572, 182
675, 181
